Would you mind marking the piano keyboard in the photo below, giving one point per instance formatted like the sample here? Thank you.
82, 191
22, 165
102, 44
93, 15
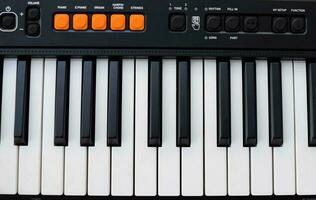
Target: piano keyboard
157, 126
160, 99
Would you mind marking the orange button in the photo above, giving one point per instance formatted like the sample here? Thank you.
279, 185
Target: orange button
80, 22
61, 22
137, 22
98, 22
118, 22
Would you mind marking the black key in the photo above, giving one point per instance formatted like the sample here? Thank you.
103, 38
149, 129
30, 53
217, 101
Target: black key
249, 104
275, 104
22, 102
223, 104
155, 104
114, 102
88, 102
311, 85
1, 82
62, 102
183, 103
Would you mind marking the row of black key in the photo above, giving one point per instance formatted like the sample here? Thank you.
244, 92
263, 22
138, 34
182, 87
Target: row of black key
155, 102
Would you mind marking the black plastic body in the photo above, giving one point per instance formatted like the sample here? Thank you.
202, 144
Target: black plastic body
157, 39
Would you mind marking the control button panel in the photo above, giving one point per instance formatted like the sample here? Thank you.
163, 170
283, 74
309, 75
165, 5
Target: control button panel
252, 24
119, 22
33, 21
8, 21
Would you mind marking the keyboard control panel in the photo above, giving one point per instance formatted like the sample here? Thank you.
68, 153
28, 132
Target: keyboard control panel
155, 25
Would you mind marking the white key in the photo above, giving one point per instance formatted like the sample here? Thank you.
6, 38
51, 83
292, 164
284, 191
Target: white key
261, 155
215, 157
99, 155
75, 155
123, 157
238, 156
192, 157
30, 156
145, 157
52, 156
169, 153
305, 156
8, 151
284, 157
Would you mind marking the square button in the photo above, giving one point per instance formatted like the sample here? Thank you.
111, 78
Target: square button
177, 22
80, 22
298, 24
99, 22
33, 13
118, 22
33, 29
61, 22
137, 22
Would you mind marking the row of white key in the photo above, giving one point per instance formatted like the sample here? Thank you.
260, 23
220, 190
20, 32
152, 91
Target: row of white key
138, 169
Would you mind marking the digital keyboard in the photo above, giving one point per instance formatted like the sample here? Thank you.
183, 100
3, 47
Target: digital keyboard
161, 99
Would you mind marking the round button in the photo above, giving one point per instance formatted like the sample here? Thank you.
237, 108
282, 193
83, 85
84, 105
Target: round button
33, 13
33, 29
213, 23
279, 25
8, 21
298, 25
177, 22
251, 24
232, 24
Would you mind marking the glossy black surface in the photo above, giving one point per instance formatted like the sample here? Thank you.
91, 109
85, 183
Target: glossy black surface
155, 103
275, 104
183, 103
114, 103
223, 104
22, 102
62, 102
88, 102
1, 83
249, 103
311, 92
157, 35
